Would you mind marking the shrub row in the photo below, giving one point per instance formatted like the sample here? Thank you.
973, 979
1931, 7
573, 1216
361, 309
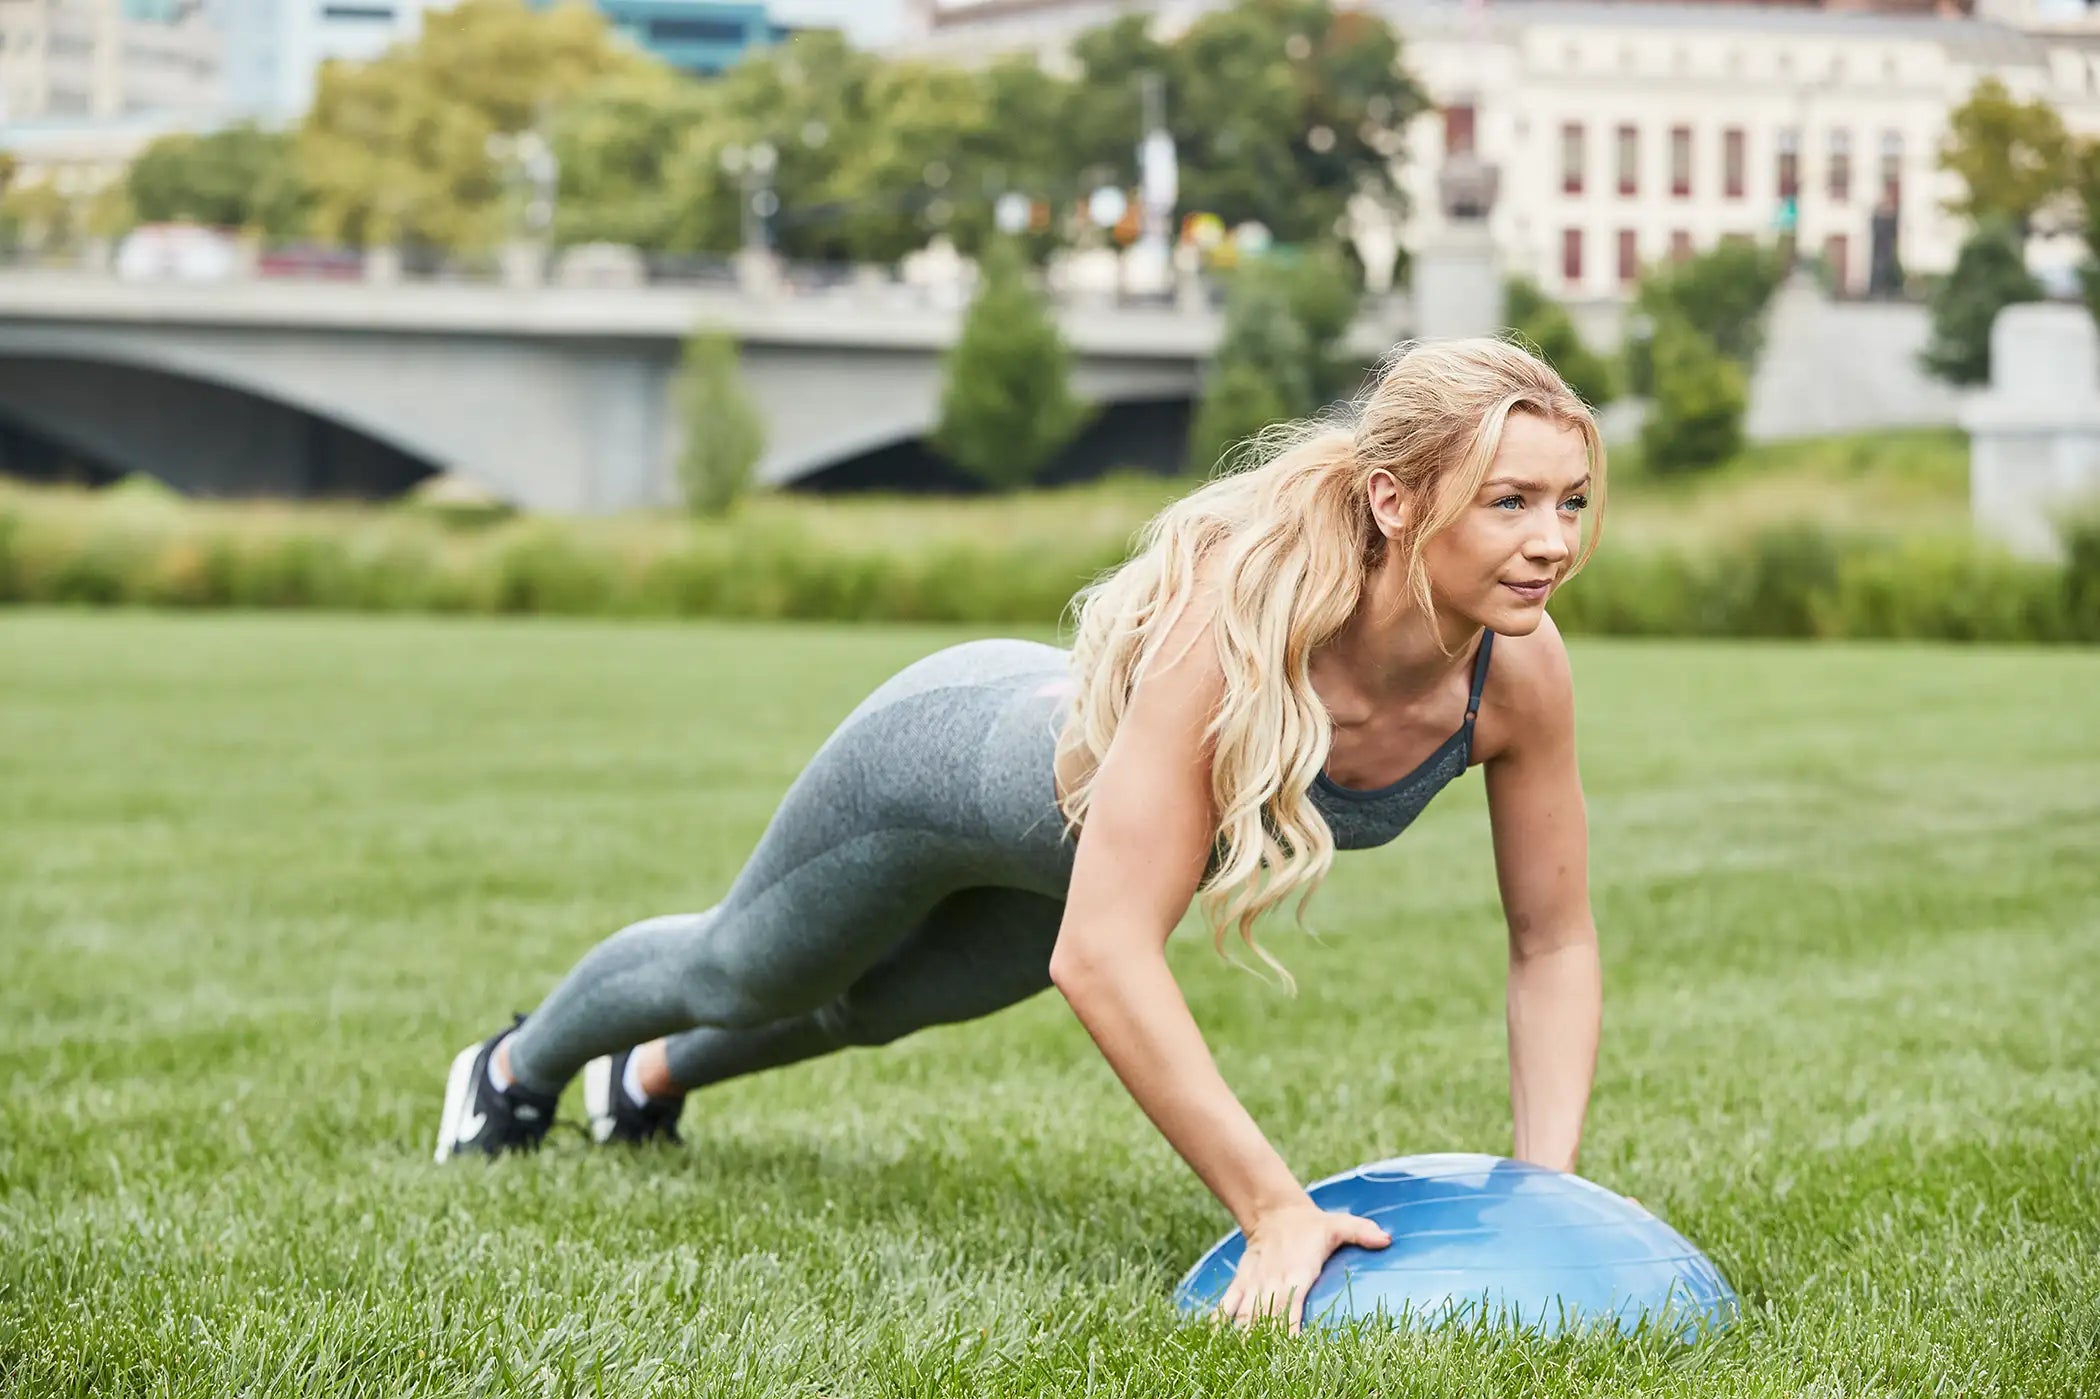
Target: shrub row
1790, 581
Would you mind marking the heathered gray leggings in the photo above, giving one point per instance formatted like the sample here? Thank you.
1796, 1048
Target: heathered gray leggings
914, 875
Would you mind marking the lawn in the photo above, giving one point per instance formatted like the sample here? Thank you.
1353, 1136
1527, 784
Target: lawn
261, 875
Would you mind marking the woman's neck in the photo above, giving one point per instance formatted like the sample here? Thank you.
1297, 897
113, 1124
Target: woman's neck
1390, 651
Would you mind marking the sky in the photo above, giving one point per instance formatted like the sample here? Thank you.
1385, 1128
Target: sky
865, 21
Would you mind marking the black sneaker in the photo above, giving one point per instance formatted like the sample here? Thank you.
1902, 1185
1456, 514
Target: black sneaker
480, 1119
617, 1117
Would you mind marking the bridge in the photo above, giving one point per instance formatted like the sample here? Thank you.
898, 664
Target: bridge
553, 398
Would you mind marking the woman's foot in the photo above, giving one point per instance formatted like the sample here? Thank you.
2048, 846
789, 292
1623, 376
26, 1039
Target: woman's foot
481, 1118
620, 1106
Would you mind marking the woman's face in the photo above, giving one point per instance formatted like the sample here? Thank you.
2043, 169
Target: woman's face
1498, 562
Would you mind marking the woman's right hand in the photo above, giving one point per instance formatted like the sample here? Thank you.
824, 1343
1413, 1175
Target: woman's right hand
1286, 1249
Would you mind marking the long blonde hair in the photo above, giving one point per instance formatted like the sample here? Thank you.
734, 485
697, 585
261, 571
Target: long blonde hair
1289, 520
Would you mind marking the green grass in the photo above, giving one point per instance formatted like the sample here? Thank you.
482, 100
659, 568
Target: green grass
261, 875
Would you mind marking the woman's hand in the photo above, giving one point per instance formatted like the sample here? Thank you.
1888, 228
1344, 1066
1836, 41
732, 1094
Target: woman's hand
1285, 1251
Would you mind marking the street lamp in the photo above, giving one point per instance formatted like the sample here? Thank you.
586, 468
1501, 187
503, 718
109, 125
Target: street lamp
753, 165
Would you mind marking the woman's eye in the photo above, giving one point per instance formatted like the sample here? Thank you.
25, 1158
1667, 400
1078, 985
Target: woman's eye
1516, 500
1576, 502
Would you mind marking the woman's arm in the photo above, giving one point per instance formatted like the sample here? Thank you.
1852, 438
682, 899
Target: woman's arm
1148, 835
1141, 855
1555, 999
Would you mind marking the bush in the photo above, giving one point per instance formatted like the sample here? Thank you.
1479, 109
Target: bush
1262, 374
1551, 334
1789, 579
1724, 292
1990, 274
1007, 407
1700, 397
725, 434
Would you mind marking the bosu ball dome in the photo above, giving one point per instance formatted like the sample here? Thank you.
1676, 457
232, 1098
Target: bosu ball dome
1484, 1238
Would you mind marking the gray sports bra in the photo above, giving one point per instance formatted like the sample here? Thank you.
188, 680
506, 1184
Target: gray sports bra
1361, 818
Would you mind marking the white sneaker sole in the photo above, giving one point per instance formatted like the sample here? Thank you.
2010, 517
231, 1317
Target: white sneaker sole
459, 1093
597, 1097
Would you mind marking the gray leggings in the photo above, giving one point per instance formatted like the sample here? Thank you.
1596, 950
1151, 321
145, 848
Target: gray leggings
914, 875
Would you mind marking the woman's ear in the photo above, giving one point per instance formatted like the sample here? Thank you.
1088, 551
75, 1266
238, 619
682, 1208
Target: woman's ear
1390, 506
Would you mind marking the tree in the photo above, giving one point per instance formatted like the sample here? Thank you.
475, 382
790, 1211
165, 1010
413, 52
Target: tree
1990, 273
397, 150
628, 147
1723, 291
238, 177
1007, 406
1262, 373
1700, 395
2085, 180
1324, 293
1281, 111
1551, 333
725, 434
2013, 157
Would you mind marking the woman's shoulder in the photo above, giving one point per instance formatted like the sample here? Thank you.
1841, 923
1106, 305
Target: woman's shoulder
1530, 686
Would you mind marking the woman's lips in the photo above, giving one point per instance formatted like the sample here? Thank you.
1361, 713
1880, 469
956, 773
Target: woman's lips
1531, 592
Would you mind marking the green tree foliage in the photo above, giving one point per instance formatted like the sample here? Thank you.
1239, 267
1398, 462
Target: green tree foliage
1695, 417
397, 150
1246, 88
725, 434
1990, 273
1007, 406
239, 177
2013, 158
1263, 372
36, 215
2085, 187
1550, 331
1723, 291
1324, 293
629, 146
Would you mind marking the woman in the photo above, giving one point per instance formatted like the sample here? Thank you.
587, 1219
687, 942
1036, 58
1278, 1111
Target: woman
1296, 660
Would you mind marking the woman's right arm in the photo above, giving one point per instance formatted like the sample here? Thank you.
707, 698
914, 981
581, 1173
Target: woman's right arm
1142, 851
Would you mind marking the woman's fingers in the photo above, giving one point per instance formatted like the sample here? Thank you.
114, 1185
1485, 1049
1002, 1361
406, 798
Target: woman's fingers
1355, 1229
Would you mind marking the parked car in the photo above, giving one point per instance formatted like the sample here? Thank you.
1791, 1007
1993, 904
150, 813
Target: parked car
183, 252
312, 260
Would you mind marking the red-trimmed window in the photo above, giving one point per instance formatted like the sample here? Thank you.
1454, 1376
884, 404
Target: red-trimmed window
1629, 257
1571, 157
1840, 166
1458, 128
1733, 157
1571, 256
1680, 245
1680, 162
1629, 159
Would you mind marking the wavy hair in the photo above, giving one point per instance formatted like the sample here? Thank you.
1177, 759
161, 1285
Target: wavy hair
1288, 519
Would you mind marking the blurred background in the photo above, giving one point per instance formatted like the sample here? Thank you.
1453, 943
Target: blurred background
914, 309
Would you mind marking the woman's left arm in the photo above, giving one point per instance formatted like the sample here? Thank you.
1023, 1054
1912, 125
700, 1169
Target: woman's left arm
1555, 999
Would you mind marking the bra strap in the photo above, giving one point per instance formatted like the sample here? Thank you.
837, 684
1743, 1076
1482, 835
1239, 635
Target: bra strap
1480, 674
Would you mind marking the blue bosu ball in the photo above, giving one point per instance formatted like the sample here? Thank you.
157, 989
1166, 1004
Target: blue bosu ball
1485, 1238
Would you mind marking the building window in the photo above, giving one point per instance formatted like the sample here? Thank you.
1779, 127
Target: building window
1892, 169
1629, 161
1629, 257
1835, 250
696, 31
1732, 162
358, 12
1680, 162
1571, 256
1571, 157
1680, 245
1789, 163
1840, 166
1458, 128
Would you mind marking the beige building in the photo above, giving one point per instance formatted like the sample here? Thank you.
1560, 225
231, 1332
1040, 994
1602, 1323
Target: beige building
1626, 133
98, 60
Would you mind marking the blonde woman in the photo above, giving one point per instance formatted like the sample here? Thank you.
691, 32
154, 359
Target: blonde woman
1301, 654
